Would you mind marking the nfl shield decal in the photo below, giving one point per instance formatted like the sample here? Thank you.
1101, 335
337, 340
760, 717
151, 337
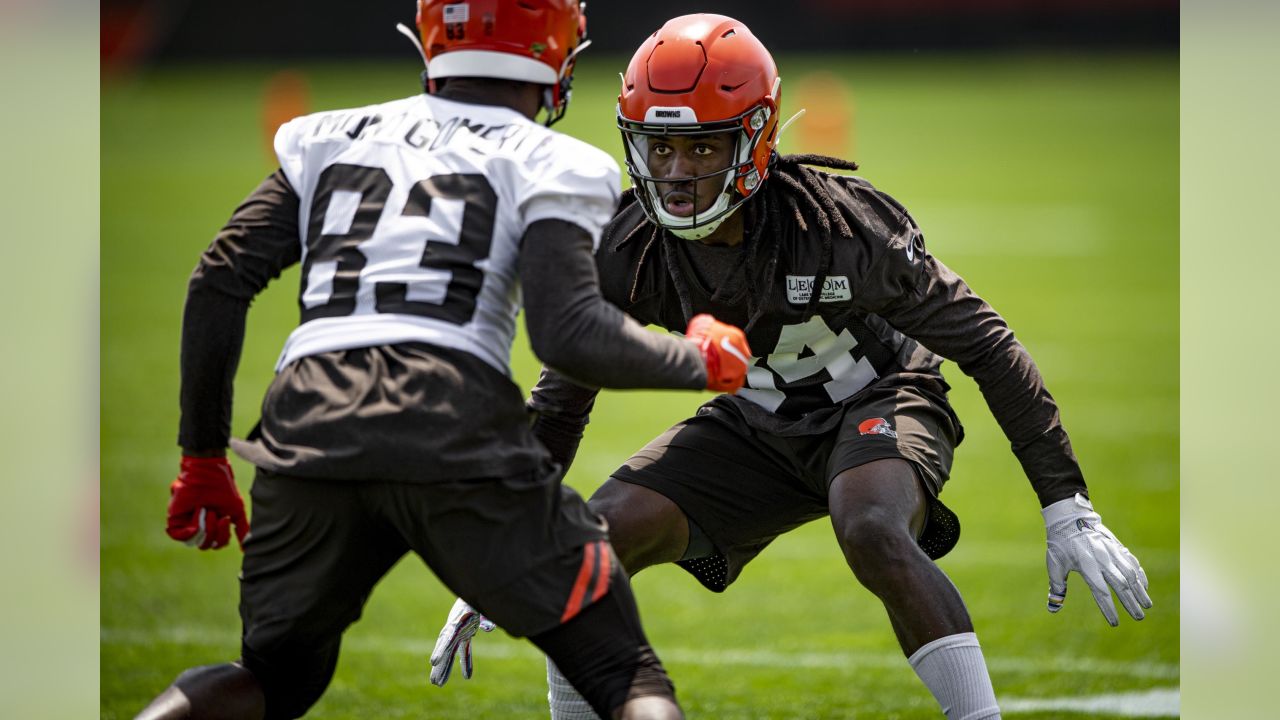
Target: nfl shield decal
877, 426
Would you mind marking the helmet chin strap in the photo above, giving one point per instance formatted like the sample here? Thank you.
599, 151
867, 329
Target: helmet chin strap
674, 222
680, 226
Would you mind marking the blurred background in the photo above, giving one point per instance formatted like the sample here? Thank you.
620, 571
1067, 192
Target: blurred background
1036, 143
140, 30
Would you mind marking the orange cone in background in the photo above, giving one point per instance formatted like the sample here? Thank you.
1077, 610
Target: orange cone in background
127, 36
284, 98
828, 126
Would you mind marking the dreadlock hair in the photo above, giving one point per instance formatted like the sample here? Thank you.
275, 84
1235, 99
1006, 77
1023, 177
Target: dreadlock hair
793, 187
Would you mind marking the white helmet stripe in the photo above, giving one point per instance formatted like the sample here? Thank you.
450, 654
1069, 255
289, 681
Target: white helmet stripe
487, 63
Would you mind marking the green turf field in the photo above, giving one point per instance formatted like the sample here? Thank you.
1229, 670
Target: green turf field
1049, 183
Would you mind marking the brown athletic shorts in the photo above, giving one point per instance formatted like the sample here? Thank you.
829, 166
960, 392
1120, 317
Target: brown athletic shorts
742, 487
525, 551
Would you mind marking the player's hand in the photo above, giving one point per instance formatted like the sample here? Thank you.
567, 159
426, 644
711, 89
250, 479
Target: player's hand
724, 352
1079, 541
204, 504
455, 640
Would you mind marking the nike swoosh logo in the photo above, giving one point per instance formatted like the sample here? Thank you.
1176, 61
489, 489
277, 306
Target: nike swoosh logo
729, 348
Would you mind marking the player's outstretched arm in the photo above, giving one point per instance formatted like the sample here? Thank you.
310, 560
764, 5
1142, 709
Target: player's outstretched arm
561, 408
574, 330
454, 642
1079, 542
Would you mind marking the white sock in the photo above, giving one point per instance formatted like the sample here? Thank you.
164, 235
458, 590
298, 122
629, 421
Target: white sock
566, 703
953, 669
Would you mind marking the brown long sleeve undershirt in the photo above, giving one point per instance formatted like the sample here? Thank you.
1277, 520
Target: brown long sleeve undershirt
252, 249
585, 339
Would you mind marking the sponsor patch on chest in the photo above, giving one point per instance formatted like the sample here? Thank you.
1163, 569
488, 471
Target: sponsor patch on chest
834, 289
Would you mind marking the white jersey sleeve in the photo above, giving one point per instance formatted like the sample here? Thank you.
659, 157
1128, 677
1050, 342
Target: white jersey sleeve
288, 147
411, 216
577, 183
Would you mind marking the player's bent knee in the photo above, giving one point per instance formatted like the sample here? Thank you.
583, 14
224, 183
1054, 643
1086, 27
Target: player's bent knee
873, 540
645, 527
209, 692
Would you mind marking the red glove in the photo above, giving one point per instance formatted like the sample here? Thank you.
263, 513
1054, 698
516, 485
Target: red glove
724, 350
205, 504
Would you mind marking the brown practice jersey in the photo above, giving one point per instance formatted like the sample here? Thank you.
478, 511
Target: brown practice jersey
888, 312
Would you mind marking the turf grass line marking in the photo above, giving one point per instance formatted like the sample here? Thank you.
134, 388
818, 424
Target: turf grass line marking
1157, 702
190, 635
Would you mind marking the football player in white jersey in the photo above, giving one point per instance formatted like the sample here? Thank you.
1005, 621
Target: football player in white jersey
392, 425
845, 411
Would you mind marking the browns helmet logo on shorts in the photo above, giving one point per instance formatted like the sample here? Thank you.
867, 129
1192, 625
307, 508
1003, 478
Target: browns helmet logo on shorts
877, 426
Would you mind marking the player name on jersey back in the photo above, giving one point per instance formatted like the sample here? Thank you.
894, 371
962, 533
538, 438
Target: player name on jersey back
429, 133
411, 217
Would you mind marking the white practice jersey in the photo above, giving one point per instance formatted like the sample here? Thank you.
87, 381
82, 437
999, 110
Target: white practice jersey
411, 217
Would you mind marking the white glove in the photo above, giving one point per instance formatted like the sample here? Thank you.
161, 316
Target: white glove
1079, 541
455, 639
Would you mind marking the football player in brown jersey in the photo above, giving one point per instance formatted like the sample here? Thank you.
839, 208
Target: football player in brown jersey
845, 410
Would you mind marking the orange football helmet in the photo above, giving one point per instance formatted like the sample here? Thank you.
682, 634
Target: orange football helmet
533, 41
701, 75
